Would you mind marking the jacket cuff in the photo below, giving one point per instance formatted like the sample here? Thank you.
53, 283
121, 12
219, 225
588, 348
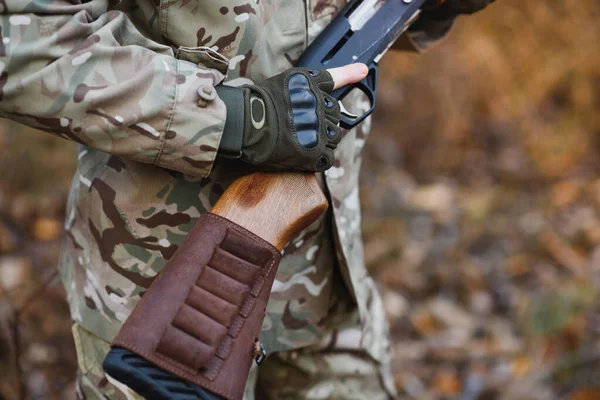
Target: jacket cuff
196, 121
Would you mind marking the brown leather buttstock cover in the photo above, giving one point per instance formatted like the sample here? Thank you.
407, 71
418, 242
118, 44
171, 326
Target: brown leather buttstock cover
201, 316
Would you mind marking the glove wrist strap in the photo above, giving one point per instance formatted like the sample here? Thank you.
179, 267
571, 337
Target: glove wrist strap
233, 133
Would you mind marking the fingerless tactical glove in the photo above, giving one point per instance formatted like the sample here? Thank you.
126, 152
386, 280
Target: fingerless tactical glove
288, 122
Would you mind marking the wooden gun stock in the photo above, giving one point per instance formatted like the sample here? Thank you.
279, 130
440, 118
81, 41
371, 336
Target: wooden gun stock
273, 206
169, 348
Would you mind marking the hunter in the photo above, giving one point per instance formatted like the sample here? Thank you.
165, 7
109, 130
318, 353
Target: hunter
160, 96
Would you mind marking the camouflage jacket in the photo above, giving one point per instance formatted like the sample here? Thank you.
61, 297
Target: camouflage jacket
124, 79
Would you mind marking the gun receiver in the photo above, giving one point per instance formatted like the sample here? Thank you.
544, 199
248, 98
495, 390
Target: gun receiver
362, 32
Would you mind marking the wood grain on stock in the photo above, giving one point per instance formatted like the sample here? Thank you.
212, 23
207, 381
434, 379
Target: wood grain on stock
273, 206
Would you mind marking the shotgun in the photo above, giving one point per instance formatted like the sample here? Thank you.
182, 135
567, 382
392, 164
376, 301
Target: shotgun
361, 32
159, 352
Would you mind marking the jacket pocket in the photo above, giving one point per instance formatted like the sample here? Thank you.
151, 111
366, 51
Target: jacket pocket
203, 57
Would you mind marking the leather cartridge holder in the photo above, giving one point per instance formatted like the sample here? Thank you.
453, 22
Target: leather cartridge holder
203, 313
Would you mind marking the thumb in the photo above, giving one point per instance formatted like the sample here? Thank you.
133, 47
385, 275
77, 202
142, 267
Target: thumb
348, 74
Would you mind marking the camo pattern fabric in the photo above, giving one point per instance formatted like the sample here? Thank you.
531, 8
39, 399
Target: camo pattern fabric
132, 82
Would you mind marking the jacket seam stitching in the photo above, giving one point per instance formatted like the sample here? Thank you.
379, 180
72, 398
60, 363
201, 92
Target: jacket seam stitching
169, 120
163, 25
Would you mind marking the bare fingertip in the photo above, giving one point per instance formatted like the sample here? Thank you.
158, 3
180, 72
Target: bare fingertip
362, 68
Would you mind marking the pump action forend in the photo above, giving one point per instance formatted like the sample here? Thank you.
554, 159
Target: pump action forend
362, 32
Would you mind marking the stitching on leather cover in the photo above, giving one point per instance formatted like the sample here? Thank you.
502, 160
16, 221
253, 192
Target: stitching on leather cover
207, 377
219, 273
258, 286
217, 283
202, 358
236, 327
182, 322
248, 306
238, 323
218, 312
225, 347
214, 368
233, 266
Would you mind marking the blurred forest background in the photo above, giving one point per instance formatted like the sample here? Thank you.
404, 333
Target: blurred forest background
481, 200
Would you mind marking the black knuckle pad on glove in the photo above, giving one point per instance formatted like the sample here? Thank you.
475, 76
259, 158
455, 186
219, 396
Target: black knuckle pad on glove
315, 113
290, 121
304, 110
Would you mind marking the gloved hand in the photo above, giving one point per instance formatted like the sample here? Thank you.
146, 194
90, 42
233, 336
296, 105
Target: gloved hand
450, 9
287, 122
438, 15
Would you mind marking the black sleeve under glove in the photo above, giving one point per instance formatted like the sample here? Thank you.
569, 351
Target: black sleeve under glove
288, 122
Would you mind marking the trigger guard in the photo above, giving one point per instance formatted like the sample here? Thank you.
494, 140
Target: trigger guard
345, 112
368, 86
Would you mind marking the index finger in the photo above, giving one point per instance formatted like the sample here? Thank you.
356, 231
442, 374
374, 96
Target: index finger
348, 74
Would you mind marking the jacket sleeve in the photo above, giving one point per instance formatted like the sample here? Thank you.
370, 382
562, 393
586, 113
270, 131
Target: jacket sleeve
73, 68
423, 36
